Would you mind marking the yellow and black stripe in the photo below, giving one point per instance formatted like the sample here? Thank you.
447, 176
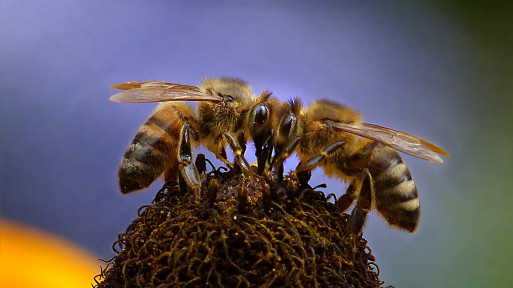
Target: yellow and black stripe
154, 148
395, 192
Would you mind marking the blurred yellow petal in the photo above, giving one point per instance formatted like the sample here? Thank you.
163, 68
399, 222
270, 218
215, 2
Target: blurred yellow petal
32, 258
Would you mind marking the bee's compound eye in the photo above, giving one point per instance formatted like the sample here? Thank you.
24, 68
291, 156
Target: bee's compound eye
286, 124
261, 114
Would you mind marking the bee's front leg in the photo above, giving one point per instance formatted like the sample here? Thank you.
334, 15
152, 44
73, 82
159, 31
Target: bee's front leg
217, 147
238, 151
188, 170
280, 156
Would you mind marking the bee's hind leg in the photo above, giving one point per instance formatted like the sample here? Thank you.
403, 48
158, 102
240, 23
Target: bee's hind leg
188, 171
365, 193
361, 188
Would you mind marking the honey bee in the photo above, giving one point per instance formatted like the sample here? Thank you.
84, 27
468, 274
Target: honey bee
226, 107
333, 136
325, 134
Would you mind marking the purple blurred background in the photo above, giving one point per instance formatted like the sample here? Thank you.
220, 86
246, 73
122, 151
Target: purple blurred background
435, 69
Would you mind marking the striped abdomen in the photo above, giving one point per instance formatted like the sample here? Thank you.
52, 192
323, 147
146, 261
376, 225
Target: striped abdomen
396, 195
154, 148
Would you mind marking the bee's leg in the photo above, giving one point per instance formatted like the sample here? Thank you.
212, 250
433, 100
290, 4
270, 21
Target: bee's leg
240, 160
312, 162
344, 201
363, 204
241, 139
188, 170
218, 149
279, 158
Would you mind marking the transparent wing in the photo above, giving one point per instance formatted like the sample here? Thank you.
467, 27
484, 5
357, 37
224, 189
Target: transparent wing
398, 140
157, 91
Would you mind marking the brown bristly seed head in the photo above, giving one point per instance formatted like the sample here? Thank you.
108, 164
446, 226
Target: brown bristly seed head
248, 231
